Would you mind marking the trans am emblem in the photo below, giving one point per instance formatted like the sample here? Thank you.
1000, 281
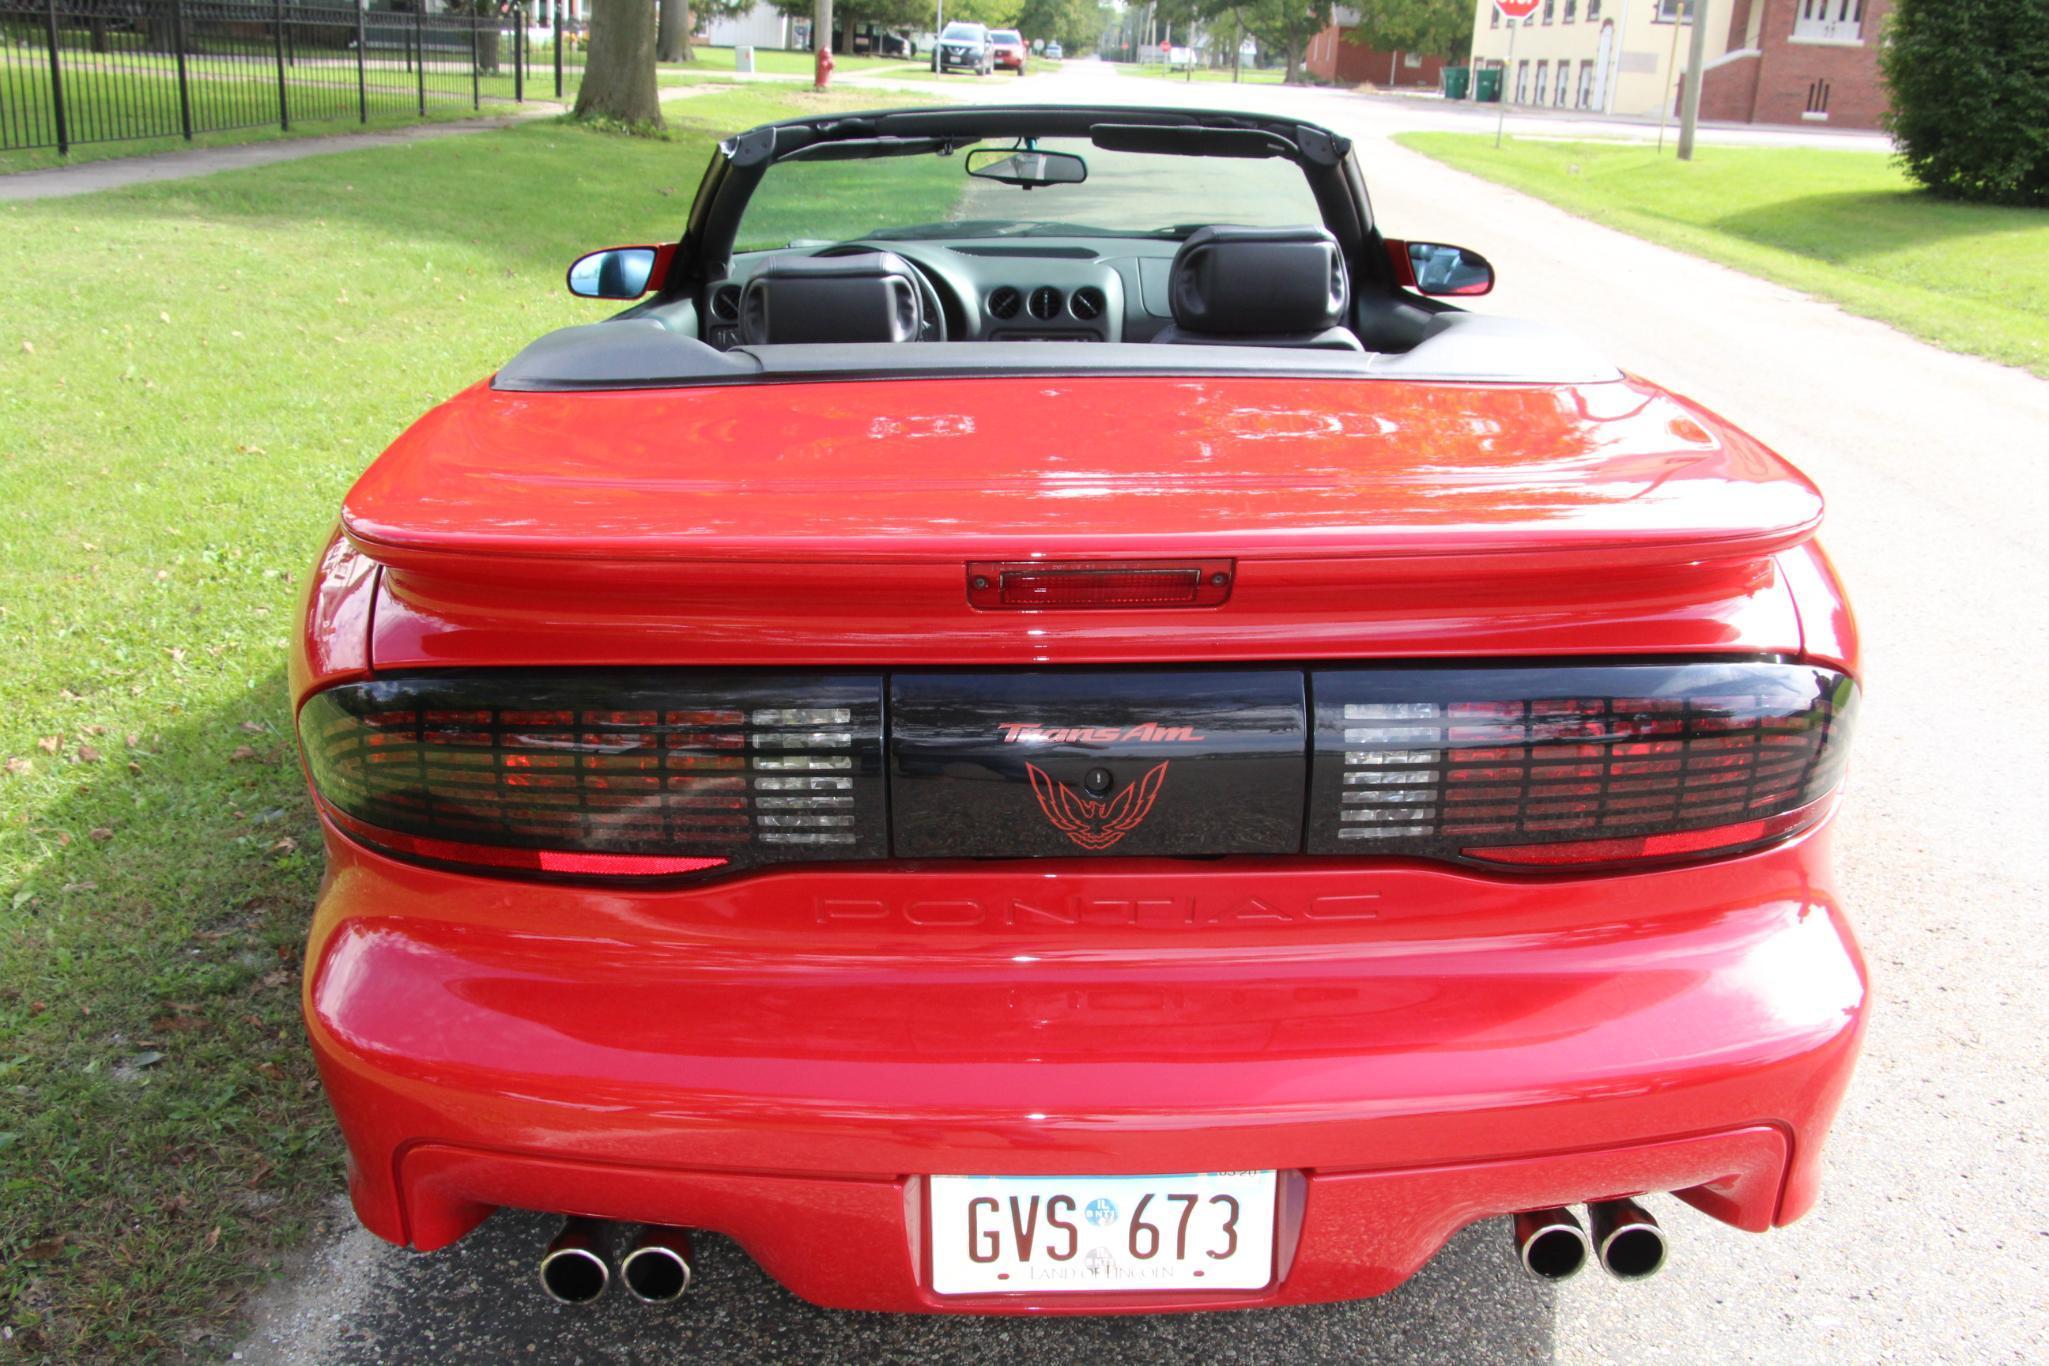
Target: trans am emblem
1093, 824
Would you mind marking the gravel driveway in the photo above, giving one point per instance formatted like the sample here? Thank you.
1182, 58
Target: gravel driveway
1932, 1238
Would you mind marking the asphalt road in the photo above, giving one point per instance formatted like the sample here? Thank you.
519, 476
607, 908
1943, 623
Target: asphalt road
1931, 1242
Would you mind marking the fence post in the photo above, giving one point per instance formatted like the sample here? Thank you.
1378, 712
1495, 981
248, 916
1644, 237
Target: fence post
284, 107
555, 32
57, 83
476, 61
420, 60
518, 56
184, 88
362, 81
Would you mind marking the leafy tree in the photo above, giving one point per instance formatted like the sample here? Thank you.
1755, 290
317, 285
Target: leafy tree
1970, 96
1283, 26
1438, 28
619, 65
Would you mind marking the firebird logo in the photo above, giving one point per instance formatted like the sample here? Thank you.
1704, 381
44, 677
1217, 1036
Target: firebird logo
1144, 733
1093, 824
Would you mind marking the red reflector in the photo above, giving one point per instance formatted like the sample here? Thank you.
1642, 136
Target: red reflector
524, 860
1668, 845
1120, 583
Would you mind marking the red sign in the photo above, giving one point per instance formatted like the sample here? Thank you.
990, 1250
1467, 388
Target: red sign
1166, 46
1517, 9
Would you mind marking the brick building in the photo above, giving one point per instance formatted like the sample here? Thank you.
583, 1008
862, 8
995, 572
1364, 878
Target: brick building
1799, 61
1334, 57
1768, 61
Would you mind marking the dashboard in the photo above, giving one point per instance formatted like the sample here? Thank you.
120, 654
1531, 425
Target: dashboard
1087, 289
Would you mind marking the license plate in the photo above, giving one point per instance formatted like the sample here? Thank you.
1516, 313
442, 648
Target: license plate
1005, 1234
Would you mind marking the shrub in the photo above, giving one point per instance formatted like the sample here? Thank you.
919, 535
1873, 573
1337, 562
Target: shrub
1970, 96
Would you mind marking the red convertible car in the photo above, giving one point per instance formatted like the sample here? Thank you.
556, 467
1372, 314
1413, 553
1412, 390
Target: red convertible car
1044, 725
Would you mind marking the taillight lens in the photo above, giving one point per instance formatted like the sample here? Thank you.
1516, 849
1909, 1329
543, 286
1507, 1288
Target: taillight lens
604, 773
1561, 767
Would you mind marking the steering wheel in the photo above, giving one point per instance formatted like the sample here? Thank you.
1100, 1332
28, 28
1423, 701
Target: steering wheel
933, 328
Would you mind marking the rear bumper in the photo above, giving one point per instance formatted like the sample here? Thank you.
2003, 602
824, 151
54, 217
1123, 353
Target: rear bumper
783, 1057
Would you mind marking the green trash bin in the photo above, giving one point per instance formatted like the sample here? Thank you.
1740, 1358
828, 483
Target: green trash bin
1457, 81
1487, 85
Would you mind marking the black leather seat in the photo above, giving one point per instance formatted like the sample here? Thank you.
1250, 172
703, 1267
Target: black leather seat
1260, 287
871, 296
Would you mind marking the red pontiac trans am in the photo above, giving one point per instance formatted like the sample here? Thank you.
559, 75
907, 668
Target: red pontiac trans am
1044, 726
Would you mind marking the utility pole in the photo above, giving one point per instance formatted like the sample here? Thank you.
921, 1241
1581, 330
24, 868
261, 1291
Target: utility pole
1696, 62
1665, 97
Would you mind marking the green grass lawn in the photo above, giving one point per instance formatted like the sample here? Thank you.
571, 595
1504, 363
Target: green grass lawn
191, 374
776, 61
1844, 225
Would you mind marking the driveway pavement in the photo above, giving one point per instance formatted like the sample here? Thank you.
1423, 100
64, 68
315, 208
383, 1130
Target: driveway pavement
1932, 1239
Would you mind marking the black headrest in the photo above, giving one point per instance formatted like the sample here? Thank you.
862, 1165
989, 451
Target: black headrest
871, 296
1258, 281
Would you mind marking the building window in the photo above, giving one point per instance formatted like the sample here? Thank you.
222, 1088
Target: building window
1493, 18
1549, 7
1543, 80
1586, 85
1522, 81
1829, 21
1593, 10
1673, 12
1564, 87
1817, 102
1570, 7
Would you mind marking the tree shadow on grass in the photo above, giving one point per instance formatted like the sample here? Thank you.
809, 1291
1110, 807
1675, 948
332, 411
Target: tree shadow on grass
169, 1138
1851, 225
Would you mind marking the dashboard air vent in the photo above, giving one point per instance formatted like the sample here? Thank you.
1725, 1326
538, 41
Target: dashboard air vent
1087, 303
725, 303
1046, 301
1005, 302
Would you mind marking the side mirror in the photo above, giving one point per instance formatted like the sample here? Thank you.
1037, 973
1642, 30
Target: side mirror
1442, 271
615, 272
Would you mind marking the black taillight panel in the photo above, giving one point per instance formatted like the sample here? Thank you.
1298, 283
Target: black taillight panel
743, 768
1446, 762
1061, 762
675, 772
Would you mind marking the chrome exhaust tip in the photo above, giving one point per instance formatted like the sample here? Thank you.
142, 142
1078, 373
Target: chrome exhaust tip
1628, 1241
658, 1267
573, 1269
1551, 1244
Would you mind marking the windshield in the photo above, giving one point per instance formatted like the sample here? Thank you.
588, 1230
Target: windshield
927, 196
962, 31
1004, 35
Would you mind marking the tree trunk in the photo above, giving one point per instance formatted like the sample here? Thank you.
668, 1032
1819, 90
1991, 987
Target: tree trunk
619, 64
672, 36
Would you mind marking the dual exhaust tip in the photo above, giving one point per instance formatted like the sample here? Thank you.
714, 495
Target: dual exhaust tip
656, 1268
1625, 1239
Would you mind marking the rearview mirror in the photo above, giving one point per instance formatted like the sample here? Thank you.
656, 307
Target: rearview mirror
1449, 271
614, 273
1018, 166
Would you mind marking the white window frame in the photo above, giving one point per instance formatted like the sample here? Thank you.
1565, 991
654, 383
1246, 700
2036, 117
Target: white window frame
1829, 22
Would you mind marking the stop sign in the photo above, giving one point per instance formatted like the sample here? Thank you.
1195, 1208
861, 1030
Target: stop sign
1166, 46
1517, 9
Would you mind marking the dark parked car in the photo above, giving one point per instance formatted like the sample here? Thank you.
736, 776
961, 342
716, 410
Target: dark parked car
964, 45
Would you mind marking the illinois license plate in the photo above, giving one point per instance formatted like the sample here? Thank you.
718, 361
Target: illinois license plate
1004, 1234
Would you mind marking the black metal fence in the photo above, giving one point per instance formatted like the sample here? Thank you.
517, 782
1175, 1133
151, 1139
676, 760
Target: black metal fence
77, 71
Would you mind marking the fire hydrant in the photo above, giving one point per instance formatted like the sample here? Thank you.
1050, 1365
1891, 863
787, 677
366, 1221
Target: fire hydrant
822, 73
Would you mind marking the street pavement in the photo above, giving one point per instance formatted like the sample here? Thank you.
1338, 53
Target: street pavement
1931, 1242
